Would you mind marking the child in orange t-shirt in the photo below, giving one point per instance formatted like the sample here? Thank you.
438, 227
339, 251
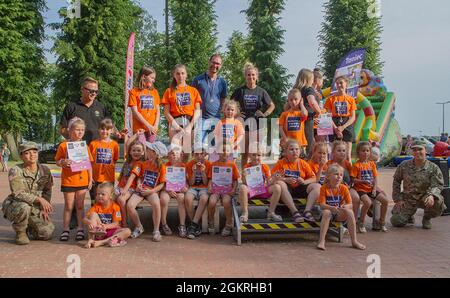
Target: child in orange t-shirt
148, 187
336, 204
291, 122
296, 180
174, 162
364, 175
228, 190
105, 153
103, 220
273, 190
127, 179
229, 130
74, 185
144, 103
343, 110
197, 174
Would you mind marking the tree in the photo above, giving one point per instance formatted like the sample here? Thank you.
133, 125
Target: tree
95, 45
350, 24
193, 35
234, 59
266, 47
22, 67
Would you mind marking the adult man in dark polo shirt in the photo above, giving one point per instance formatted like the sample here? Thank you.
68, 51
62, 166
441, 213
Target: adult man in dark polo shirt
87, 108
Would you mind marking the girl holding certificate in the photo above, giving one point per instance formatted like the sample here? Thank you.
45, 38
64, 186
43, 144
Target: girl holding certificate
223, 175
74, 182
173, 174
254, 173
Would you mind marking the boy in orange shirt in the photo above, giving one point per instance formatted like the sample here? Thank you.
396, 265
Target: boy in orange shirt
105, 153
291, 122
364, 175
343, 110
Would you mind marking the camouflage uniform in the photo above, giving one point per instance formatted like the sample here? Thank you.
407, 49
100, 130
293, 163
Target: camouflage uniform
418, 184
20, 206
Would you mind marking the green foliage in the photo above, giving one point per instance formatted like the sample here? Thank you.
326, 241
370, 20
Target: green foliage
266, 47
22, 65
349, 24
95, 45
193, 35
234, 59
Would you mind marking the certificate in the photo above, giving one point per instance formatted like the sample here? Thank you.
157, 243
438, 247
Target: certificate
175, 178
325, 126
77, 152
255, 181
222, 180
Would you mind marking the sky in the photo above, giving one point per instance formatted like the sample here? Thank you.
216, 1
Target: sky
415, 49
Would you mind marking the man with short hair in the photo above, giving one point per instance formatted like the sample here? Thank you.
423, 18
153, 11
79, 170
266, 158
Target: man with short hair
28, 206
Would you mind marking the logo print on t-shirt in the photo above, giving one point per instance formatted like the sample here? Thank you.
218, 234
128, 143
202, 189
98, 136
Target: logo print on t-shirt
105, 218
366, 175
147, 102
104, 156
290, 173
293, 124
227, 131
334, 200
251, 102
198, 178
341, 107
150, 178
183, 99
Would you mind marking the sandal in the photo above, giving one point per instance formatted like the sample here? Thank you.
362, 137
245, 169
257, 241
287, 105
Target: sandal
166, 230
116, 242
244, 217
307, 215
64, 236
274, 217
297, 217
80, 235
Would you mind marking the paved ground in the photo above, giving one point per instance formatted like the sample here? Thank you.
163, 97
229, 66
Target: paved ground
408, 252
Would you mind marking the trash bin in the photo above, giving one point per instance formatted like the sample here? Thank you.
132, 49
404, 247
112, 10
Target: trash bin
442, 163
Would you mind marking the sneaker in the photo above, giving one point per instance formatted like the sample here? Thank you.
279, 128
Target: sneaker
190, 231
361, 228
383, 228
226, 231
211, 228
274, 217
426, 223
197, 229
157, 236
166, 230
137, 232
182, 231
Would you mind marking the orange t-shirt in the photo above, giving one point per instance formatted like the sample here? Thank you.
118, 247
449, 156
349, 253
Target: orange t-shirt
107, 215
340, 105
335, 197
182, 101
127, 169
149, 174
105, 156
229, 164
366, 171
228, 131
315, 167
346, 165
198, 177
292, 123
265, 170
296, 169
69, 178
162, 178
147, 103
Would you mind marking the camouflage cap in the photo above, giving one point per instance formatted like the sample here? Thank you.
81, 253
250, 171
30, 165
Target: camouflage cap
27, 146
418, 144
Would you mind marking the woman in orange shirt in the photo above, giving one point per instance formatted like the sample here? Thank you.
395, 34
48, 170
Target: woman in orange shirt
74, 185
181, 106
144, 103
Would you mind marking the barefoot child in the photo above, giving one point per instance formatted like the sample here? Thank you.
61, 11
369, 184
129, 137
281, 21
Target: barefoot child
336, 205
74, 185
273, 190
364, 174
103, 220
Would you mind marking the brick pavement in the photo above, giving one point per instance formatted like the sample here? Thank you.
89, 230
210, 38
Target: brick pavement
408, 252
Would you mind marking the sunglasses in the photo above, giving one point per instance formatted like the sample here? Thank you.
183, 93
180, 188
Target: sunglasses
91, 91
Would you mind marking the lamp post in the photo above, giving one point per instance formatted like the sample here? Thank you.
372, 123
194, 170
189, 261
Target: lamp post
443, 113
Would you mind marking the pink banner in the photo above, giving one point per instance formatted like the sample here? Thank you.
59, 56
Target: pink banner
129, 83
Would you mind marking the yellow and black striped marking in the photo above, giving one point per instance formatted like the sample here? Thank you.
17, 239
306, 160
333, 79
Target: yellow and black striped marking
285, 226
258, 202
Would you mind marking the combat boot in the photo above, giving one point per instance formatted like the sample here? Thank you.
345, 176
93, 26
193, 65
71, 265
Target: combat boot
426, 223
22, 238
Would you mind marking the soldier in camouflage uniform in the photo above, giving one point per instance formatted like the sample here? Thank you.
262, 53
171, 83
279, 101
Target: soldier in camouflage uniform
28, 206
422, 186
